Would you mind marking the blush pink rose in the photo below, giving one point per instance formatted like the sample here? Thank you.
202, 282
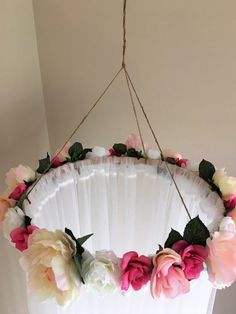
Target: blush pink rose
20, 236
167, 153
134, 141
136, 270
221, 261
230, 203
193, 257
18, 191
167, 276
4, 205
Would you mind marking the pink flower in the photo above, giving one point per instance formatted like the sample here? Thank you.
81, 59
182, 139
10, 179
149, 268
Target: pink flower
231, 202
4, 205
18, 191
221, 261
20, 237
181, 162
193, 257
134, 141
167, 276
167, 153
136, 270
112, 152
61, 157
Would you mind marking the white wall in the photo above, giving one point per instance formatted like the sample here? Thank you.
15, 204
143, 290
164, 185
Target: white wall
23, 130
182, 57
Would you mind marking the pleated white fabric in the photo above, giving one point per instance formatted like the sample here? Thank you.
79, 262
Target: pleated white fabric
128, 205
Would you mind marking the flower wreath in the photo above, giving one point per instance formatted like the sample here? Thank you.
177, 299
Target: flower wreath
57, 264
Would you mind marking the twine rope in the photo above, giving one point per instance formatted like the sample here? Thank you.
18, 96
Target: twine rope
131, 88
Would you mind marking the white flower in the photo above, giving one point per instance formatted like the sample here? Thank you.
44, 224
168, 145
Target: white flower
153, 154
50, 267
227, 185
14, 218
227, 224
101, 272
97, 152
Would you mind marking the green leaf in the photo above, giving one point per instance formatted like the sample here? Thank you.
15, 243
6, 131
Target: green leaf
21, 200
79, 248
75, 151
206, 170
27, 221
170, 160
134, 153
82, 240
44, 165
84, 153
120, 148
174, 236
78, 264
196, 232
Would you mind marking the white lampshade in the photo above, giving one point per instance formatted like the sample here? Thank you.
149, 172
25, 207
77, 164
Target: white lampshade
128, 205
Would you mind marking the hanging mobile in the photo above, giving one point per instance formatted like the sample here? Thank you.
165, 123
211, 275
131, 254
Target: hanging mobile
56, 262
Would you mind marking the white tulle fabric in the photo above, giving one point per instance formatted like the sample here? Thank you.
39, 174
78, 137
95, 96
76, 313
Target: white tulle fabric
128, 205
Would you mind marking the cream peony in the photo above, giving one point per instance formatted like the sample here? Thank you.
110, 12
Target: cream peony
18, 175
50, 267
97, 152
14, 218
101, 272
227, 185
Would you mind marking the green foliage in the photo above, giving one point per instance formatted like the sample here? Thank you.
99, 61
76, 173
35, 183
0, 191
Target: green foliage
174, 236
44, 165
196, 232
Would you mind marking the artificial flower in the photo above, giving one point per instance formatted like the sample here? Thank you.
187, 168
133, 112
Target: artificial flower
167, 276
18, 191
18, 175
101, 272
232, 214
221, 260
14, 218
134, 141
227, 185
227, 224
4, 205
181, 162
193, 256
230, 203
20, 236
50, 267
61, 156
136, 270
97, 152
153, 154
167, 153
